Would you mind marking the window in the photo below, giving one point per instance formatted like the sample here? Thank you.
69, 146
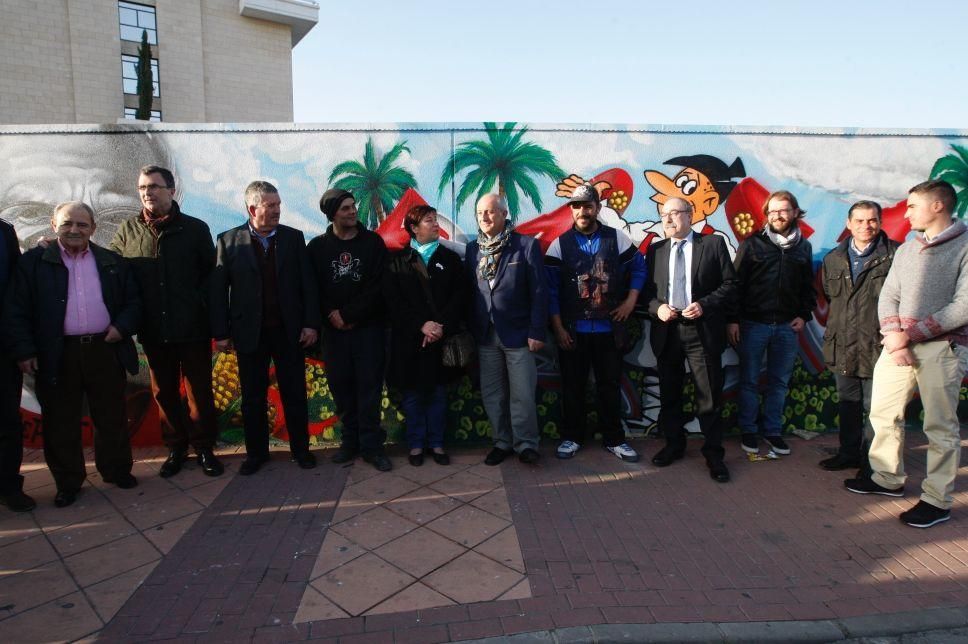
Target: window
129, 75
136, 18
129, 113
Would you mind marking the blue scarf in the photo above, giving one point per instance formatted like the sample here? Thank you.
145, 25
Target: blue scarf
426, 251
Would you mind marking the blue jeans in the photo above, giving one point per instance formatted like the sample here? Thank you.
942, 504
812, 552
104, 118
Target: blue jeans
779, 343
426, 417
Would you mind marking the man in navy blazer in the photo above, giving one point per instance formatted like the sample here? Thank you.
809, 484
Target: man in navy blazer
509, 318
264, 304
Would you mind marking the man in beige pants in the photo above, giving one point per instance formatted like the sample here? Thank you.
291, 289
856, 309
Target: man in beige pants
923, 311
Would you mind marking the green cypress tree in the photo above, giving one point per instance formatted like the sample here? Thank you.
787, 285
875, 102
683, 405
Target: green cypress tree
145, 79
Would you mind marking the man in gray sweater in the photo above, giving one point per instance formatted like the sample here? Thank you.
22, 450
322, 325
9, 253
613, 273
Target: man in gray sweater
923, 311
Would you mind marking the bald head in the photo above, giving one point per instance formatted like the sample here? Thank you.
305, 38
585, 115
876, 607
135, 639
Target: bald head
492, 213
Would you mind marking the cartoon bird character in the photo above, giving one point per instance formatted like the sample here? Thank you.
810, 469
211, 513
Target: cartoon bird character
704, 181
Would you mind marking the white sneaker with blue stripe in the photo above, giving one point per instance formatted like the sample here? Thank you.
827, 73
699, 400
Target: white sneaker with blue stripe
567, 449
624, 452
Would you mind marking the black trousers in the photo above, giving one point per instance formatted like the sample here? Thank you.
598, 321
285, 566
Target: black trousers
855, 402
683, 345
11, 427
89, 368
290, 365
355, 361
596, 352
188, 421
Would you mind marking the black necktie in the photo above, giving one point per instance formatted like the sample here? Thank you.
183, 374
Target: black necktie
679, 278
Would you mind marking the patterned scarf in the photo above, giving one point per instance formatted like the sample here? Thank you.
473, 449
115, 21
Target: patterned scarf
491, 252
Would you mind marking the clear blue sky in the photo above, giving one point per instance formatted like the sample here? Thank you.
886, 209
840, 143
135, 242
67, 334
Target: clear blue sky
868, 63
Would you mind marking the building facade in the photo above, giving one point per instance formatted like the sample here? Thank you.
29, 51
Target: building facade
73, 61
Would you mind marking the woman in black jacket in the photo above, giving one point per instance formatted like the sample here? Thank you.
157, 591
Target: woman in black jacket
424, 292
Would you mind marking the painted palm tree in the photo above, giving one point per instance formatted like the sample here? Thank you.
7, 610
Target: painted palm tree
503, 160
953, 168
376, 183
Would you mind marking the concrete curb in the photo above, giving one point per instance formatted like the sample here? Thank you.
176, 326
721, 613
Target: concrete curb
935, 619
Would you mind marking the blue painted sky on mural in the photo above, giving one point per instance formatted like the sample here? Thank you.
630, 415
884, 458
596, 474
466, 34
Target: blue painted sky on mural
869, 63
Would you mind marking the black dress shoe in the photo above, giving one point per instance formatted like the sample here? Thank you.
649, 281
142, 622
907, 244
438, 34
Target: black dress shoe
125, 481
379, 461
440, 458
306, 461
251, 465
497, 456
211, 466
64, 498
529, 456
18, 501
718, 471
667, 456
839, 462
173, 464
343, 455
416, 459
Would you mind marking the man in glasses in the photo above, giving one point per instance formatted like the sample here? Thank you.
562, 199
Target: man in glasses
690, 289
172, 255
775, 299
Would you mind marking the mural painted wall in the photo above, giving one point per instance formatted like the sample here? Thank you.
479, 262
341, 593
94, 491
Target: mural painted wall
725, 173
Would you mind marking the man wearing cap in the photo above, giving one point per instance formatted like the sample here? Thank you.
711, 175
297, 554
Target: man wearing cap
348, 261
690, 290
263, 304
509, 319
172, 256
595, 275
69, 317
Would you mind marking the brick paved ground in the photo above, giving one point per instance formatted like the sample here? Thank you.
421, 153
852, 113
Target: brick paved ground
602, 542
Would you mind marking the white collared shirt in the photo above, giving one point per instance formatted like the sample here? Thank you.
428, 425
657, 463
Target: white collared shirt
687, 251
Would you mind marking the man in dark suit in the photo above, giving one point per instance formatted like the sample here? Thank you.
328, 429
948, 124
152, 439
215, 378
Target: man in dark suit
508, 318
264, 304
11, 383
690, 288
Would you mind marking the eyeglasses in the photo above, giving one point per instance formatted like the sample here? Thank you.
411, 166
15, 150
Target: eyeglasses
675, 213
151, 187
781, 211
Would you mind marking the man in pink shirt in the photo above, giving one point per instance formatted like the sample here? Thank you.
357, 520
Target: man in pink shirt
69, 317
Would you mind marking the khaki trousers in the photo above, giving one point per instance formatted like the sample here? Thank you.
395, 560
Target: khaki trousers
937, 375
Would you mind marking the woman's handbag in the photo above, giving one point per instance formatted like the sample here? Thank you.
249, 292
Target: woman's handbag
457, 349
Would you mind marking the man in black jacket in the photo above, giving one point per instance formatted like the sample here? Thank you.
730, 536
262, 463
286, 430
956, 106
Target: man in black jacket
689, 292
853, 274
172, 256
11, 383
775, 300
348, 261
69, 316
263, 304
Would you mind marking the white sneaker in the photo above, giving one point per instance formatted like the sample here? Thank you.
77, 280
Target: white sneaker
567, 449
624, 452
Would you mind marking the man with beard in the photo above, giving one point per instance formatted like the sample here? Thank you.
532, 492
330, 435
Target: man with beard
509, 319
595, 275
853, 274
689, 293
348, 260
775, 300
923, 310
172, 255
